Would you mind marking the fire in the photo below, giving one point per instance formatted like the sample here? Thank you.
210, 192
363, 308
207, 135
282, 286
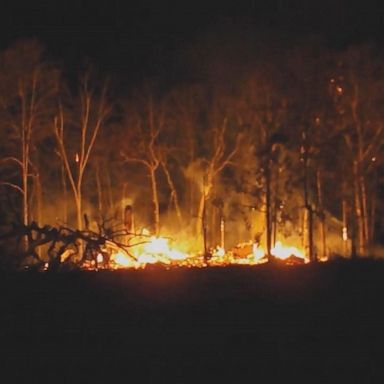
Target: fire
159, 249
151, 250
257, 252
99, 258
162, 250
283, 253
122, 259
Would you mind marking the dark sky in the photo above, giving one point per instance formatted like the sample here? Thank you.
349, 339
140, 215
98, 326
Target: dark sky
139, 38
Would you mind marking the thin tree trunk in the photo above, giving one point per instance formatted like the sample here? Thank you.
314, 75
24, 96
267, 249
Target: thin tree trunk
207, 187
78, 202
274, 224
200, 216
65, 194
39, 206
322, 214
204, 228
155, 201
312, 256
344, 209
309, 212
358, 211
174, 194
25, 171
99, 191
365, 216
268, 227
353, 225
373, 210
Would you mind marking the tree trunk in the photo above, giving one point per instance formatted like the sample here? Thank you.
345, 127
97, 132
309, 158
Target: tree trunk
99, 191
25, 171
200, 215
38, 207
365, 216
78, 202
322, 215
309, 213
155, 201
207, 187
174, 195
345, 227
358, 211
65, 194
372, 215
268, 227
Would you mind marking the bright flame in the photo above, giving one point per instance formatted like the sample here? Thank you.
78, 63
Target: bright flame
158, 249
283, 253
122, 259
345, 234
147, 259
219, 252
257, 252
157, 245
161, 250
279, 251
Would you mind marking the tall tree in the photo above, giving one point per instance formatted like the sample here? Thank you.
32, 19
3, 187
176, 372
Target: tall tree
29, 85
356, 91
144, 125
75, 150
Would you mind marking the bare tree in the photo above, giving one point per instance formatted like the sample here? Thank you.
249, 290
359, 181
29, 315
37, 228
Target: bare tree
356, 93
92, 115
30, 84
222, 155
146, 129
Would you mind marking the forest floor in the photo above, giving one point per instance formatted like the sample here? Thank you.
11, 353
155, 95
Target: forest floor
318, 323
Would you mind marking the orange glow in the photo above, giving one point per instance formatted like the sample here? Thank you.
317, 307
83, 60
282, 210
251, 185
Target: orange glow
283, 252
121, 259
162, 250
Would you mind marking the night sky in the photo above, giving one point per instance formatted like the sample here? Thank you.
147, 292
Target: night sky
134, 40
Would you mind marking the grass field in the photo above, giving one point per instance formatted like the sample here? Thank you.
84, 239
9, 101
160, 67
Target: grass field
317, 323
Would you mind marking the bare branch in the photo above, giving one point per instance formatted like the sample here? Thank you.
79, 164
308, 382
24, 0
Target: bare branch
12, 186
59, 132
135, 160
11, 158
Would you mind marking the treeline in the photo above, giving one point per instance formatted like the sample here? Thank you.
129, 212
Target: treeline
284, 146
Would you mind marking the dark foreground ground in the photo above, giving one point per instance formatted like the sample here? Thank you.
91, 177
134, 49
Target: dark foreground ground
321, 323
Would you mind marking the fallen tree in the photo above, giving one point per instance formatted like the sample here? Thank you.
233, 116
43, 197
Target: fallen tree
62, 245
